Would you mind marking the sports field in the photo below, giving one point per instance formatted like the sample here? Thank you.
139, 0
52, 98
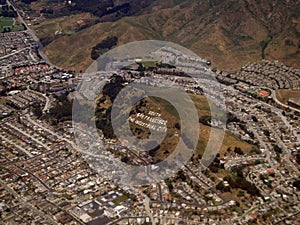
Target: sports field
263, 93
5, 22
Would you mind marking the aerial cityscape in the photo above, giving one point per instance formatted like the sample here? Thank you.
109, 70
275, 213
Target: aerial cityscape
132, 128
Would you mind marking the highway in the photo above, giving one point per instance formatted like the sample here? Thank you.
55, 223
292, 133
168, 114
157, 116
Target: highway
40, 48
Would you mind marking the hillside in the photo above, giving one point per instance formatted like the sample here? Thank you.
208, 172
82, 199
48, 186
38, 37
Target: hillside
167, 113
229, 33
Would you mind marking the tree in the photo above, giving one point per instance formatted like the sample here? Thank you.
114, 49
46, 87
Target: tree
125, 159
238, 151
220, 186
296, 183
277, 149
169, 184
181, 176
237, 180
37, 111
103, 46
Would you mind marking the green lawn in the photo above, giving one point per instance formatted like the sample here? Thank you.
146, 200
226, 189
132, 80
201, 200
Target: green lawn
117, 201
148, 64
70, 32
18, 28
6, 22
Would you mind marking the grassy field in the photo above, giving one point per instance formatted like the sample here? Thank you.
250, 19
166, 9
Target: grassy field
230, 141
148, 64
284, 95
8, 22
5, 22
119, 200
201, 104
17, 28
66, 25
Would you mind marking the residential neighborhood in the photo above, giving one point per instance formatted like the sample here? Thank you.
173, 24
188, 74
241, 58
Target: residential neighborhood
56, 170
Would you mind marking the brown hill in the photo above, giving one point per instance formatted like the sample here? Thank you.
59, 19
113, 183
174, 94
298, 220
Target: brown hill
229, 33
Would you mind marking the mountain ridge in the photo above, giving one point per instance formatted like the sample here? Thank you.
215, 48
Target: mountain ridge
229, 33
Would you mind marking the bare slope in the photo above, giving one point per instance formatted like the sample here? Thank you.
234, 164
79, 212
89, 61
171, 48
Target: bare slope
229, 33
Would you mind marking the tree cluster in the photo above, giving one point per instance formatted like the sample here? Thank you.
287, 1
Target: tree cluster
102, 47
28, 1
237, 180
62, 110
102, 114
206, 120
8, 11
296, 183
238, 150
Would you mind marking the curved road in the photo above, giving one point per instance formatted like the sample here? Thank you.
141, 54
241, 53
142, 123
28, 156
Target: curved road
273, 95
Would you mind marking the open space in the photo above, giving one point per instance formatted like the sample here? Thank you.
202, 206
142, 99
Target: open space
284, 95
